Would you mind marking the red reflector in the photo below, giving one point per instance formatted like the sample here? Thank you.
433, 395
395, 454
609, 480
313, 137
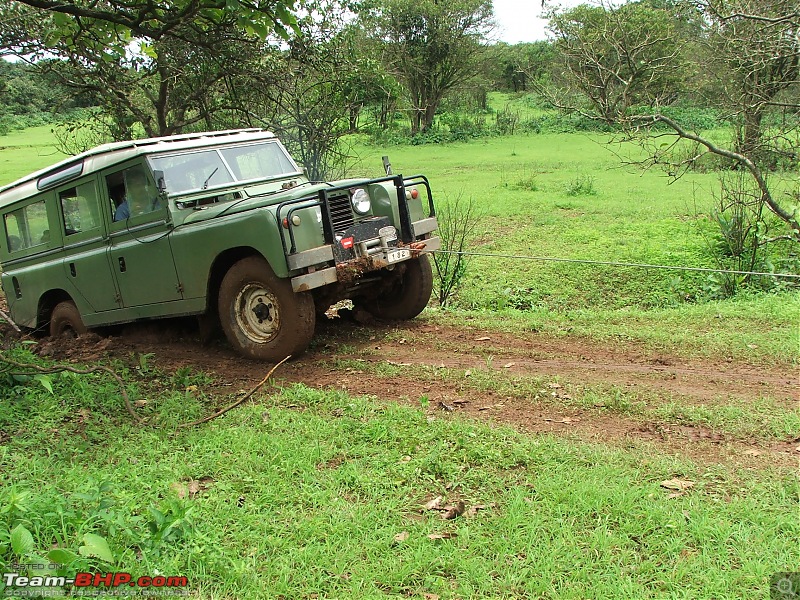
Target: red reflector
286, 223
414, 194
347, 243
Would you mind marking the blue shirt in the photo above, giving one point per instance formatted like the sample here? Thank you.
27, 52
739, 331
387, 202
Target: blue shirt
123, 212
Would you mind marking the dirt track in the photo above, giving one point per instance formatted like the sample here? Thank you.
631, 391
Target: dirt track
564, 366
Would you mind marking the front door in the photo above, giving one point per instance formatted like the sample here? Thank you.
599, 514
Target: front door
140, 250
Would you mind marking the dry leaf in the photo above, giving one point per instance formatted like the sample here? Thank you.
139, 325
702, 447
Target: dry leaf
403, 341
554, 386
566, 420
453, 511
191, 389
752, 346
180, 489
753, 452
509, 365
434, 504
473, 510
677, 484
447, 407
445, 535
405, 459
401, 537
467, 373
483, 339
428, 596
140, 403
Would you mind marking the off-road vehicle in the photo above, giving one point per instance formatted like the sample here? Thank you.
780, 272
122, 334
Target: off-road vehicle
224, 225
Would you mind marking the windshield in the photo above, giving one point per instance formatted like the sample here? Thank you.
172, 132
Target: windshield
201, 169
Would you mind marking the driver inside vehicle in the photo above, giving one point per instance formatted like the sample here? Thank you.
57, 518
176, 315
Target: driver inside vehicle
140, 196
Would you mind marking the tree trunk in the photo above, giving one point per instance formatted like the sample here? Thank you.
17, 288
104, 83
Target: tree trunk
430, 113
416, 121
750, 140
355, 111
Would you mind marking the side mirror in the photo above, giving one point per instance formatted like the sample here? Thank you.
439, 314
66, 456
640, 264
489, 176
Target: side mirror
161, 183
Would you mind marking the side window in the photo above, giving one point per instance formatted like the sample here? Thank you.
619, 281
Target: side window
27, 227
132, 193
79, 207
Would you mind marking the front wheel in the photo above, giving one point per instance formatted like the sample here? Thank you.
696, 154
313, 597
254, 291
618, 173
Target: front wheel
404, 296
262, 317
65, 320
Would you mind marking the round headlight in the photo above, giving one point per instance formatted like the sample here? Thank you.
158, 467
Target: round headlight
360, 200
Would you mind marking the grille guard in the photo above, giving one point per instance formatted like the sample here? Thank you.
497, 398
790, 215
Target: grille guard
323, 201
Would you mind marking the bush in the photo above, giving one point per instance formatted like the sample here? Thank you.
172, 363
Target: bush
581, 185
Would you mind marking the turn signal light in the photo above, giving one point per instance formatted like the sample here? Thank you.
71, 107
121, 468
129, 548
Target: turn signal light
347, 243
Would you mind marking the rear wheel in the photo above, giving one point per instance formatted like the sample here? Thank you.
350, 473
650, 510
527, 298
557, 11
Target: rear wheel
65, 320
407, 295
261, 316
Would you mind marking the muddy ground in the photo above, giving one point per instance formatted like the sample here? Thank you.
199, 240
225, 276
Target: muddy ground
565, 366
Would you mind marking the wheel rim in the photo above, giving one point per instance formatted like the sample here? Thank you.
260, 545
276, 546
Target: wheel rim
256, 312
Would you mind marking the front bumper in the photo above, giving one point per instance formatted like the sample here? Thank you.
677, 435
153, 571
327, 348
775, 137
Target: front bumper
370, 255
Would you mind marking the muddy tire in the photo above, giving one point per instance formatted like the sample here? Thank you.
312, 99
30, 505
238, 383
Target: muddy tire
65, 320
407, 296
261, 316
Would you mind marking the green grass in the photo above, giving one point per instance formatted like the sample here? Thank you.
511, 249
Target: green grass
629, 217
758, 329
757, 418
303, 494
22, 152
532, 191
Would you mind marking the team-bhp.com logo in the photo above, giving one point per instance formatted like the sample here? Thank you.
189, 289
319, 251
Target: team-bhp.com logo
15, 583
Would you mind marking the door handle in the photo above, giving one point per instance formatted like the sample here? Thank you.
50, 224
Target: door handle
122, 266
72, 269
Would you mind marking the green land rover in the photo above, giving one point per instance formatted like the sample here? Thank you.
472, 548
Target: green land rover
223, 225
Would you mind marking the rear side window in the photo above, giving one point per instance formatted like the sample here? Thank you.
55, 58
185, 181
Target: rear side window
27, 227
79, 209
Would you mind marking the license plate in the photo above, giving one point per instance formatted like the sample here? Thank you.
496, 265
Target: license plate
396, 255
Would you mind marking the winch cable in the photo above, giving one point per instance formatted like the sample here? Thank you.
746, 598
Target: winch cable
607, 263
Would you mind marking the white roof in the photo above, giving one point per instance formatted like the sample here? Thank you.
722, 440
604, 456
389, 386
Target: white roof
110, 154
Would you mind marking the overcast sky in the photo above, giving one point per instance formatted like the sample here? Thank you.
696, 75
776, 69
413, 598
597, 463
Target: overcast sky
520, 20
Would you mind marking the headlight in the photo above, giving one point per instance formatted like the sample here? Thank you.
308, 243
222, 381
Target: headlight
360, 200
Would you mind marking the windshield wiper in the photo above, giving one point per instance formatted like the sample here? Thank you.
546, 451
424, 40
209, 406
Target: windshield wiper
205, 183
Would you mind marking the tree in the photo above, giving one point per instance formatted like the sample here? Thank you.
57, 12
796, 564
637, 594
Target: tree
753, 55
167, 84
617, 57
310, 94
754, 51
514, 65
431, 46
115, 22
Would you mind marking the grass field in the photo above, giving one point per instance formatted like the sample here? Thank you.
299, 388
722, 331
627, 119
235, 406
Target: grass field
314, 493
523, 185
